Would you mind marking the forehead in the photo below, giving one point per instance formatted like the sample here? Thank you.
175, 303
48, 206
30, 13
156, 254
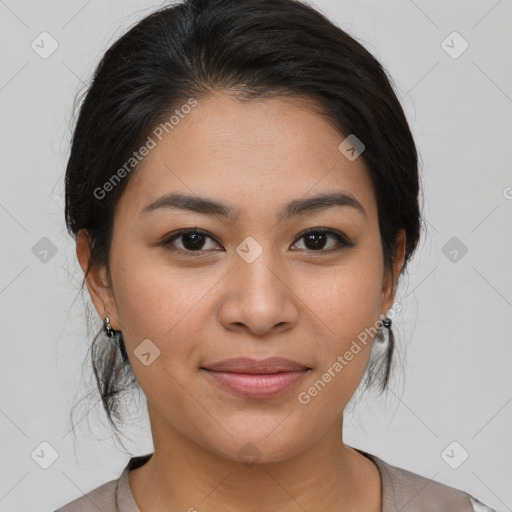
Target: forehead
273, 150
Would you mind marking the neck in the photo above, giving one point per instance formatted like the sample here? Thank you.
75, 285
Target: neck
183, 475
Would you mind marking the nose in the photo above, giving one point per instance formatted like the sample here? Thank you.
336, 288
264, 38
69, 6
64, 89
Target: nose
258, 296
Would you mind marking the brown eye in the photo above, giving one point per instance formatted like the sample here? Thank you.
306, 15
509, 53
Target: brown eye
316, 239
191, 240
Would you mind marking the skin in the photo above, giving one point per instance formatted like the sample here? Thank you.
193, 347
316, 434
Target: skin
292, 301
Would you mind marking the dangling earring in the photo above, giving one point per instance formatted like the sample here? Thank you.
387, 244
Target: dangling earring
386, 322
108, 328
390, 348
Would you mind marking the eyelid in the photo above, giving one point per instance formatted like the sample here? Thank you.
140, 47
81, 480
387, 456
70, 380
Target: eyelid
168, 239
329, 231
343, 241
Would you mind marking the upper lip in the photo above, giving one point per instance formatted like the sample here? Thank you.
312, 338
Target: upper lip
261, 366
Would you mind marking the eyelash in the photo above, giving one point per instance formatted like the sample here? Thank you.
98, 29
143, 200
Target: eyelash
343, 242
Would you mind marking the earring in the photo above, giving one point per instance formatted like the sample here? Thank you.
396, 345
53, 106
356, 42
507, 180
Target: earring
386, 322
108, 328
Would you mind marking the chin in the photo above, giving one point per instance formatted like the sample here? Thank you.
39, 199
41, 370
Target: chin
255, 448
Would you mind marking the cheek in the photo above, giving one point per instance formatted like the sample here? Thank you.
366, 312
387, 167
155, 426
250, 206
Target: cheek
346, 300
345, 309
162, 304
152, 306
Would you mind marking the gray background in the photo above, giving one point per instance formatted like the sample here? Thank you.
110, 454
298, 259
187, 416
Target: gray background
456, 323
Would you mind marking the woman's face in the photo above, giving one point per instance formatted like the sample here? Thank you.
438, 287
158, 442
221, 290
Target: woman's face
251, 284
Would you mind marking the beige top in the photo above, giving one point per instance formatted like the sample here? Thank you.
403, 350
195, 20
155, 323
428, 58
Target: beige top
402, 491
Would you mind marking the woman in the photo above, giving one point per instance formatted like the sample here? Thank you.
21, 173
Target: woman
243, 189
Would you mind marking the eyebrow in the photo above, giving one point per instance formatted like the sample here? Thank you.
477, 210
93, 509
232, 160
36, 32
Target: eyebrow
207, 206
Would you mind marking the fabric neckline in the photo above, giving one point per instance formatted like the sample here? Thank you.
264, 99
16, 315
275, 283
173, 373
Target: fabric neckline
126, 501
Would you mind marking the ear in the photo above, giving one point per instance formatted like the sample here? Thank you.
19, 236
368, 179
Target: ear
97, 281
389, 282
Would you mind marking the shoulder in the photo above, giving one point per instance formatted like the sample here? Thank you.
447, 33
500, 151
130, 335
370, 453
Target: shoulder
113, 496
102, 498
410, 492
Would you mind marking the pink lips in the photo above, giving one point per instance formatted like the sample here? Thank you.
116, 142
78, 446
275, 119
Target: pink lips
257, 379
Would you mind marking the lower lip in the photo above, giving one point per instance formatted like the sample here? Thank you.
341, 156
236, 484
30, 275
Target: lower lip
257, 385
